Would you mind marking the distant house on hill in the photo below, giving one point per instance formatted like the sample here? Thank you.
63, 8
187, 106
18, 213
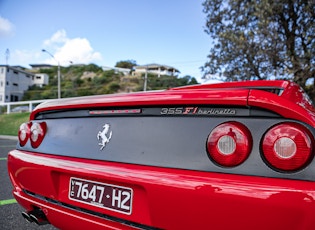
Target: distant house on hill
156, 69
125, 71
41, 66
14, 81
40, 79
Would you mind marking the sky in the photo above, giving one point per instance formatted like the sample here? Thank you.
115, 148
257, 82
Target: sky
104, 32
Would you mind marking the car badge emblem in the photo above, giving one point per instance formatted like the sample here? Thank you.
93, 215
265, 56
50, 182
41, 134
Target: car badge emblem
104, 136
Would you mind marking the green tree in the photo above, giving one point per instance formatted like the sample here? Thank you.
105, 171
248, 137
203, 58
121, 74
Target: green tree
92, 68
106, 77
166, 82
128, 64
187, 80
261, 39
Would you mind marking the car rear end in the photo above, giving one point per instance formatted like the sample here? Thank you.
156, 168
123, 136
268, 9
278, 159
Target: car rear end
210, 157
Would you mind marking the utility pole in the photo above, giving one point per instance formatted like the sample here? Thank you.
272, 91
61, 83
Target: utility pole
145, 79
7, 55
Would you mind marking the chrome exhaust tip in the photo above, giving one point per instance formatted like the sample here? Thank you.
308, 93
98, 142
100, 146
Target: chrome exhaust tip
27, 217
37, 216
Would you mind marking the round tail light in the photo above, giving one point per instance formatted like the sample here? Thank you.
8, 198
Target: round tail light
287, 147
24, 133
38, 131
229, 144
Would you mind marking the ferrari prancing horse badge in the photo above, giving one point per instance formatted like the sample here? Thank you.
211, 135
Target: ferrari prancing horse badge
104, 136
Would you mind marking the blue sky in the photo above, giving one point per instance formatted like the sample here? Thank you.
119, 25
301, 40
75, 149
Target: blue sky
103, 32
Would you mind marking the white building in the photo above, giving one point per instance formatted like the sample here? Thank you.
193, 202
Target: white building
14, 81
40, 79
125, 71
156, 69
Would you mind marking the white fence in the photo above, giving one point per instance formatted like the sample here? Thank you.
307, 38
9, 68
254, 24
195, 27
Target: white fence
20, 106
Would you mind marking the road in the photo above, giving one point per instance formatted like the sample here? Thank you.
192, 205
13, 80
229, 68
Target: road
10, 211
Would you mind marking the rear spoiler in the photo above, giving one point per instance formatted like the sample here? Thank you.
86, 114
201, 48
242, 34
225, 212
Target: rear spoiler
282, 97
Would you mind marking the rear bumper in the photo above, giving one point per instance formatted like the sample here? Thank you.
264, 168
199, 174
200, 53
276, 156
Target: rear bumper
163, 198
66, 218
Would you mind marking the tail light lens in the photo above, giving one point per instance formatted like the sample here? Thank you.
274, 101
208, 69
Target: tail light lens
33, 131
287, 147
229, 144
38, 131
24, 133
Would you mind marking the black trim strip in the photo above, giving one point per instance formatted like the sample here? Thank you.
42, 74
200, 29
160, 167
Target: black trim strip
89, 212
167, 110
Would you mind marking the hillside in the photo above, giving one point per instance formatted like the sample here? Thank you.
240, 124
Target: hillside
83, 80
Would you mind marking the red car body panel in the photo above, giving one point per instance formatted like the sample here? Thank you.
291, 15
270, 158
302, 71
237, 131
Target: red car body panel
250, 202
173, 198
290, 110
221, 97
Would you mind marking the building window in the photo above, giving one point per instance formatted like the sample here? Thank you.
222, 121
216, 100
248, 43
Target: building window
14, 98
38, 77
7, 83
15, 84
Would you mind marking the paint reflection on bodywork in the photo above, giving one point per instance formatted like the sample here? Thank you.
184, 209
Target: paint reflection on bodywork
211, 183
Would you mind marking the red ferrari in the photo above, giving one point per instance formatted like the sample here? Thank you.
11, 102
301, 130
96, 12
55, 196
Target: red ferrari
236, 155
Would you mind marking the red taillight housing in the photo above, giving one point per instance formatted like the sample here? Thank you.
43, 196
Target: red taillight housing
287, 147
24, 133
35, 132
229, 144
38, 131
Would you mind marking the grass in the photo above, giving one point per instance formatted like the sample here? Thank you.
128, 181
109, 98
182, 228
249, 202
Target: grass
10, 123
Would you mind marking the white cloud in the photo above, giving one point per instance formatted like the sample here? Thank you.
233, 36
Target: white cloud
59, 37
76, 50
6, 27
